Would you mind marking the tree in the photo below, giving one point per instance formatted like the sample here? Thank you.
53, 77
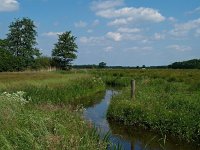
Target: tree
189, 64
42, 62
143, 66
7, 61
4, 44
102, 65
64, 51
22, 41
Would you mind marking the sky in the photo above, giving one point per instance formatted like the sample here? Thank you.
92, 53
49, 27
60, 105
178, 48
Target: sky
118, 32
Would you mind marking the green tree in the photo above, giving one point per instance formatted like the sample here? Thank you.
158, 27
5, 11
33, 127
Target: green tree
7, 60
42, 62
22, 41
4, 44
64, 51
102, 65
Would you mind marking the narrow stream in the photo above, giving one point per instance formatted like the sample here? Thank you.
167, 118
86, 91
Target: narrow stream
131, 138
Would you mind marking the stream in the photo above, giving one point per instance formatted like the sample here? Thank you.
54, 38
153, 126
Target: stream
129, 137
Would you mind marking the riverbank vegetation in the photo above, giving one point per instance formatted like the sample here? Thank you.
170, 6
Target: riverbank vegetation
42, 111
166, 101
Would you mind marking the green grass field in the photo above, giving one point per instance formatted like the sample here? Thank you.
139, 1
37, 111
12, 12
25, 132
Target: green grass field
42, 111
166, 101
47, 113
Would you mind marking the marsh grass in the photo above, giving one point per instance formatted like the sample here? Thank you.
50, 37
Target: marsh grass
52, 87
28, 126
167, 101
46, 114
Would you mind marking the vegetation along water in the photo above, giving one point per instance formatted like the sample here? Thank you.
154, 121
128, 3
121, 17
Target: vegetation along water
40, 111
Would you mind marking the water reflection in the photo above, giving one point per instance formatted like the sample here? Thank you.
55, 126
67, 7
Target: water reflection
131, 138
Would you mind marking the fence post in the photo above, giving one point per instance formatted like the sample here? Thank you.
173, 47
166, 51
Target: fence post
132, 88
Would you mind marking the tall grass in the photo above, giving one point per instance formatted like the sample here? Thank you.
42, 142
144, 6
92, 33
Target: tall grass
166, 100
52, 87
27, 126
41, 116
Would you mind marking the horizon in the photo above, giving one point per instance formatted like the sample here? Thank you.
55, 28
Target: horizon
118, 32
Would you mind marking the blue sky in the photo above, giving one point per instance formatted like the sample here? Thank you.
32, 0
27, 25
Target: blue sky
118, 32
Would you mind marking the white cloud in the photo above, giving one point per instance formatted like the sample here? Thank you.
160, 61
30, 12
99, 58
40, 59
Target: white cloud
128, 30
121, 21
52, 34
9, 5
184, 28
159, 36
180, 48
114, 36
139, 49
91, 40
136, 14
106, 4
125, 36
108, 49
80, 24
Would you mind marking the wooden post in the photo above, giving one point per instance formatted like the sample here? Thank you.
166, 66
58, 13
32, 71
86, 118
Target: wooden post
132, 88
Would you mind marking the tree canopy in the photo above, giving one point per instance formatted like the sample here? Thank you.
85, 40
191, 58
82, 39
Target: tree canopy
102, 65
190, 64
65, 50
22, 41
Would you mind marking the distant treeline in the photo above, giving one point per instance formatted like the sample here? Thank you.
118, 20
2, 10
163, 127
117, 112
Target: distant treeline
93, 66
190, 64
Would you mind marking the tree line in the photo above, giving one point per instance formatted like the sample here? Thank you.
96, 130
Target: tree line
189, 64
18, 51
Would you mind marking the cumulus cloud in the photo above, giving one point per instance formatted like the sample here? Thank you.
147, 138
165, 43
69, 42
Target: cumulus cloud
52, 34
137, 14
128, 30
140, 48
180, 48
120, 21
80, 24
118, 14
113, 9
9, 5
159, 36
116, 36
125, 34
184, 28
91, 40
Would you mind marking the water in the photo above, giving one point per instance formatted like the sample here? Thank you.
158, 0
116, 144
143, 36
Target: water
131, 138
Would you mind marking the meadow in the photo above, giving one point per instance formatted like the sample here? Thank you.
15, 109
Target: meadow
166, 101
44, 111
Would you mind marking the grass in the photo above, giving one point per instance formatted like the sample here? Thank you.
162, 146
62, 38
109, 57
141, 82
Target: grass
46, 113
53, 88
166, 101
28, 126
